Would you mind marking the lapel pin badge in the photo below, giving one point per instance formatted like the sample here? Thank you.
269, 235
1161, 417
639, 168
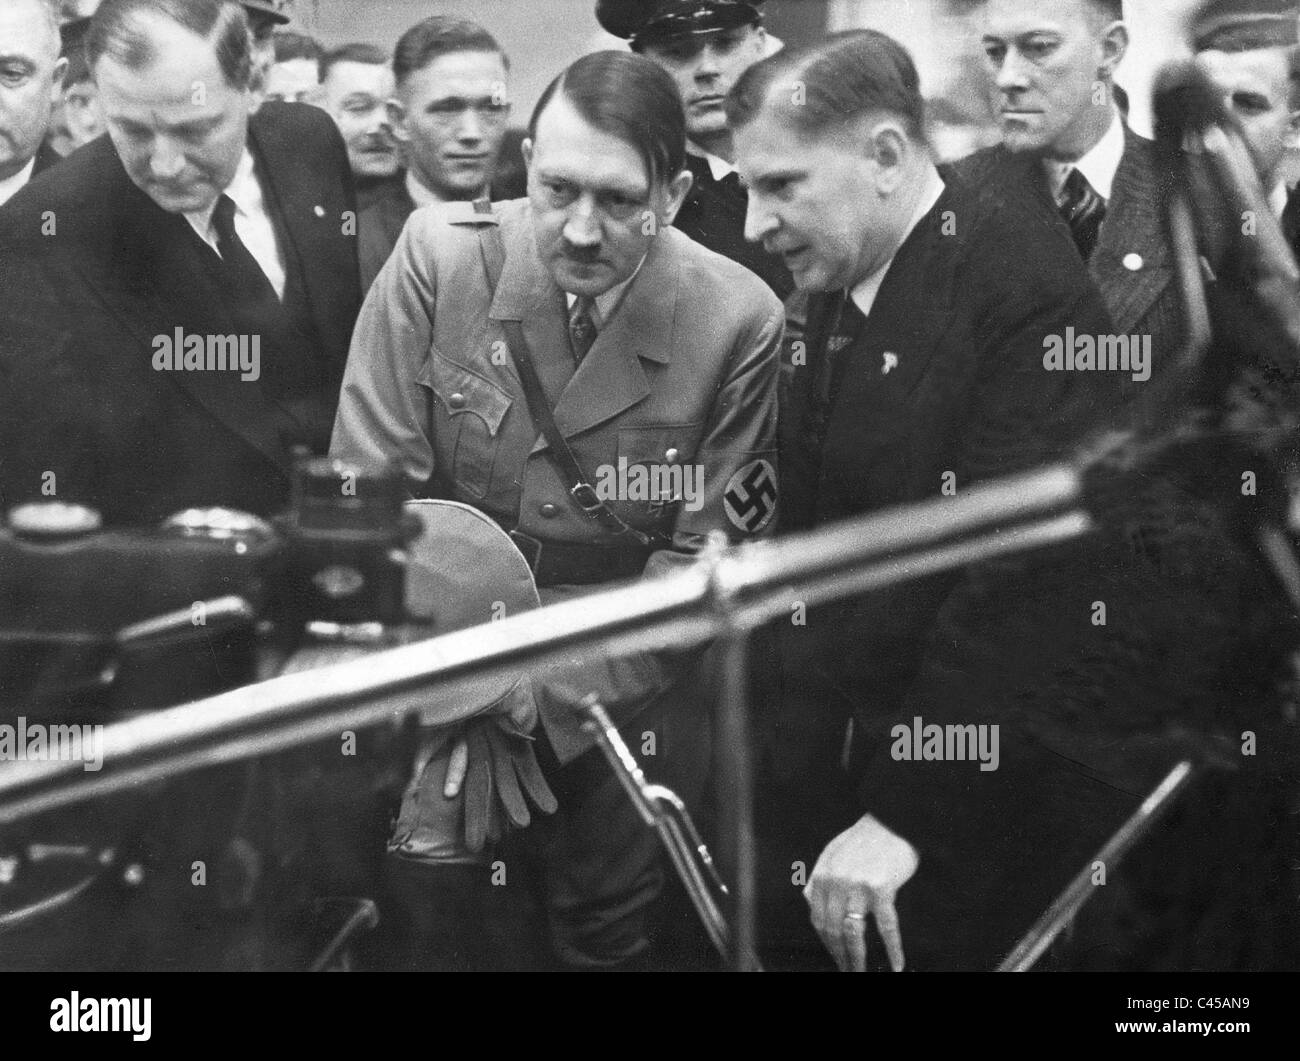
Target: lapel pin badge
1133, 262
890, 363
318, 210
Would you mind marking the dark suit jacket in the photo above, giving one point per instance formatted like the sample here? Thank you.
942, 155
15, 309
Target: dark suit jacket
1132, 264
714, 215
964, 311
378, 226
95, 271
946, 384
46, 157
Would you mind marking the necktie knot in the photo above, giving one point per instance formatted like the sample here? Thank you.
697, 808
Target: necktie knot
1083, 210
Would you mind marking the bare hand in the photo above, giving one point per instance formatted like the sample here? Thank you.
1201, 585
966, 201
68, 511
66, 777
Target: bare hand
858, 876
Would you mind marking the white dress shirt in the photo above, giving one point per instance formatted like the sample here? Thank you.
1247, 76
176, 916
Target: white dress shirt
252, 223
10, 186
607, 303
719, 167
1098, 165
1278, 198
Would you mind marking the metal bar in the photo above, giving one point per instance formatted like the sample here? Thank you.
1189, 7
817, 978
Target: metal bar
1068, 904
733, 774
755, 579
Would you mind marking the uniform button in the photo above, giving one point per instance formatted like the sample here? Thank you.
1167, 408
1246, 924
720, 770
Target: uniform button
671, 456
457, 401
1133, 262
548, 511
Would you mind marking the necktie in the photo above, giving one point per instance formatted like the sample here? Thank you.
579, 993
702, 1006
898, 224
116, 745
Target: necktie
582, 328
1083, 210
248, 284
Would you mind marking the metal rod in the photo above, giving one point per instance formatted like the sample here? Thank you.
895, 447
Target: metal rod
679, 610
733, 775
1080, 890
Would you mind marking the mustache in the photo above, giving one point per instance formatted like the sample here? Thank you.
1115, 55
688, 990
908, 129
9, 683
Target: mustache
585, 255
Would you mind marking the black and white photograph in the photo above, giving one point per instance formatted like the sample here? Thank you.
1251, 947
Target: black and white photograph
666, 486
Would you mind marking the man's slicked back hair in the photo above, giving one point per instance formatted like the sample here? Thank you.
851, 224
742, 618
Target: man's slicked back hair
368, 54
824, 86
118, 30
438, 36
628, 97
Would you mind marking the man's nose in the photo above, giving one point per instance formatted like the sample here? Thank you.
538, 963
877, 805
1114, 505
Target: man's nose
377, 120
582, 226
471, 125
1013, 74
167, 159
709, 64
759, 221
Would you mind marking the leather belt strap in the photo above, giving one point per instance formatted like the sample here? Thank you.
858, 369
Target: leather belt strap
562, 455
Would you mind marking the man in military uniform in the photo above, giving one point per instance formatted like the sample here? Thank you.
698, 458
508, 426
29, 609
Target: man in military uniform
705, 45
263, 18
657, 360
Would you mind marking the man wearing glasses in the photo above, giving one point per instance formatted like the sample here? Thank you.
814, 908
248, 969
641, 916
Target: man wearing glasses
450, 115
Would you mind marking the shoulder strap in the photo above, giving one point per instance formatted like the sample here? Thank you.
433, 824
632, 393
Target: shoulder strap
562, 455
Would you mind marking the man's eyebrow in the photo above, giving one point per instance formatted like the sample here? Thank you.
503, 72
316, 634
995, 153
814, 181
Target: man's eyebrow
18, 60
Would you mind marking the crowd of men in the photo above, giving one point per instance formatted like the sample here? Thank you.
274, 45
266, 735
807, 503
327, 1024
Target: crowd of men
705, 251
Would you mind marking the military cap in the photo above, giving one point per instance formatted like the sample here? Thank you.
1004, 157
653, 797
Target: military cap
642, 21
1240, 25
272, 8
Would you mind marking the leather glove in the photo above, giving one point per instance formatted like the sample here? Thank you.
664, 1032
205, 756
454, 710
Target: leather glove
501, 778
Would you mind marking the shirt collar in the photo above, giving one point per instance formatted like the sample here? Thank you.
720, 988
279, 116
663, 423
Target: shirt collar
421, 194
1278, 197
865, 290
1098, 165
10, 186
719, 167
607, 303
242, 190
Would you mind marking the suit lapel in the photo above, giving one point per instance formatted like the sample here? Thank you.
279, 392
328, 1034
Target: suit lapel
295, 200
178, 291
1131, 262
610, 378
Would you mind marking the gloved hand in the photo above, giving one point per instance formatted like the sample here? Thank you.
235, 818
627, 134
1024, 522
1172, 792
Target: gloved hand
493, 762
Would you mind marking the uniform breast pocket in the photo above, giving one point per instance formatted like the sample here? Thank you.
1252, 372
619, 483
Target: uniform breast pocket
657, 471
468, 411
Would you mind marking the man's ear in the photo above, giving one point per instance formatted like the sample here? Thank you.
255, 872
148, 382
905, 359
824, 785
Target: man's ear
676, 193
397, 119
889, 147
1292, 135
1114, 46
526, 149
56, 84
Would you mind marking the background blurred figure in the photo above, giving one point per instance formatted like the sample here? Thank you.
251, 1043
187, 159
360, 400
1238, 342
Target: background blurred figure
77, 120
1258, 78
449, 115
1068, 153
295, 75
263, 18
31, 83
705, 46
356, 84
